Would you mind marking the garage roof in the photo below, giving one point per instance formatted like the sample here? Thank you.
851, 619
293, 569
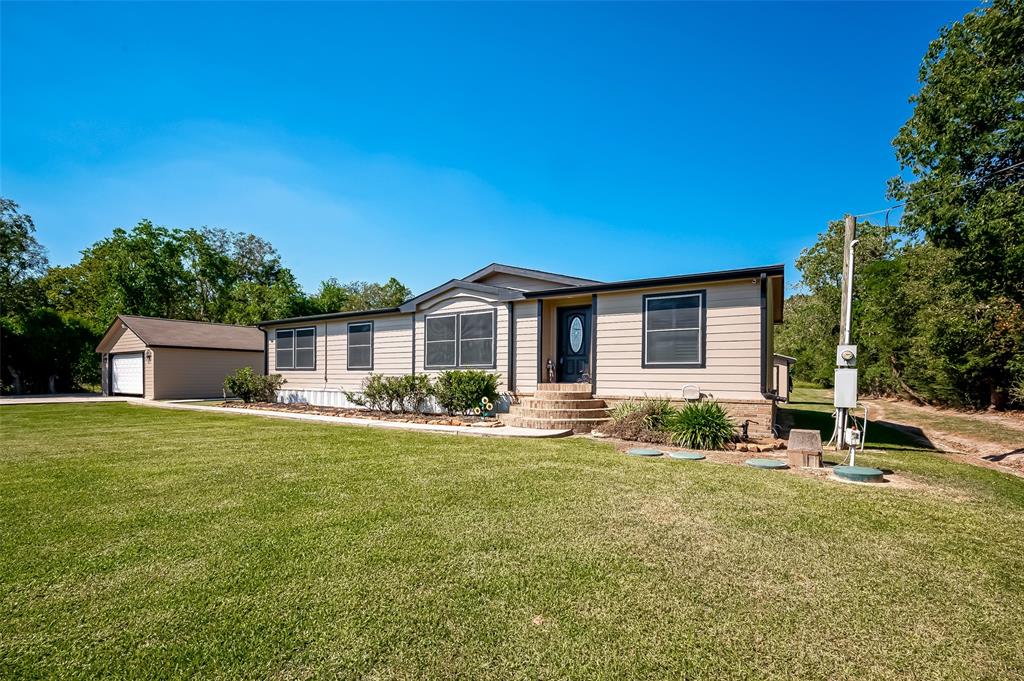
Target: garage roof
178, 333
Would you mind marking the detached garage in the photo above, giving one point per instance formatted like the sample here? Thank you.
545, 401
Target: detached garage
170, 359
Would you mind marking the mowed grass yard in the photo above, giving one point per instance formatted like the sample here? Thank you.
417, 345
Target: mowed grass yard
140, 543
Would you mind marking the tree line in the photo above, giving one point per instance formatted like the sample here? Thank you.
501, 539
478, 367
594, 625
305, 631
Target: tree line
52, 316
938, 299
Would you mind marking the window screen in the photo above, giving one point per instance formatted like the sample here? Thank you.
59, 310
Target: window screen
285, 346
476, 339
305, 348
360, 345
295, 349
440, 341
673, 329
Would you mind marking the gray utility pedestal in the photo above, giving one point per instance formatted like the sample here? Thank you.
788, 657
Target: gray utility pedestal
804, 448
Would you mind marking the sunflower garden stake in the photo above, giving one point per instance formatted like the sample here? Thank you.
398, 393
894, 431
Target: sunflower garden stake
486, 408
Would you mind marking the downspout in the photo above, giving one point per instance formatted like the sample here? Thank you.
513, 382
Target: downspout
266, 351
764, 337
511, 380
413, 317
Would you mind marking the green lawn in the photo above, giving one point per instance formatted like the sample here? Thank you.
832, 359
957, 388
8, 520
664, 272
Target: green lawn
140, 542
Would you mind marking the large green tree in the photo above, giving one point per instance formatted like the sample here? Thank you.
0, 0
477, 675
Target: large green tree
22, 260
964, 144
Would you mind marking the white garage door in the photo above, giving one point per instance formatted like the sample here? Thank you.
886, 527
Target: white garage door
126, 373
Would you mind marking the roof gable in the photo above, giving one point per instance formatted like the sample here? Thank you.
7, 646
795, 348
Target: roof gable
496, 292
551, 279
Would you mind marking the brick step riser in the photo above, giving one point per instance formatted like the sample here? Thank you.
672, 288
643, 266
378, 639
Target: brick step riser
564, 387
562, 395
576, 425
543, 413
537, 403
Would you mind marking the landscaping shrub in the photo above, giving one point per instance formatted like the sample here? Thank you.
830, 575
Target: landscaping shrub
416, 389
640, 420
249, 386
700, 425
393, 393
373, 394
460, 391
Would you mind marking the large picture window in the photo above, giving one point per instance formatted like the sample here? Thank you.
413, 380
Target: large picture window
463, 340
674, 330
295, 349
360, 345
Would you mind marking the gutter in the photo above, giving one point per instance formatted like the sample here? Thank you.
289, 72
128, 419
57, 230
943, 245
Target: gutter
764, 340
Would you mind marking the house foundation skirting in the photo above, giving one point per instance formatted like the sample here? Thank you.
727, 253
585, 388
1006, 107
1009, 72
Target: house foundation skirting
328, 397
760, 413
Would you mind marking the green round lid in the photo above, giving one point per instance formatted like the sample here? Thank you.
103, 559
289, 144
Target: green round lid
686, 456
767, 463
859, 473
644, 452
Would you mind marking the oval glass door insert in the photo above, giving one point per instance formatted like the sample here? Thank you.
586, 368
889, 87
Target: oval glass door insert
576, 334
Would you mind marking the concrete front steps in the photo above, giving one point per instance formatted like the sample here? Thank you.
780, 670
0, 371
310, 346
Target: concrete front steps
558, 406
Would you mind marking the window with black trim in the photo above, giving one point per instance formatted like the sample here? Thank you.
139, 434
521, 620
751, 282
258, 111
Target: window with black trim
441, 341
360, 345
674, 329
463, 340
295, 349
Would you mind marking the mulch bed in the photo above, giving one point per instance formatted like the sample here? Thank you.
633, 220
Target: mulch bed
367, 414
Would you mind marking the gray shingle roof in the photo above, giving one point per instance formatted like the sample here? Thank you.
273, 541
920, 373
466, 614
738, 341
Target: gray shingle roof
178, 333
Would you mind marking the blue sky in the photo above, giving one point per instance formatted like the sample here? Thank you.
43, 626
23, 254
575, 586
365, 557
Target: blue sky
424, 141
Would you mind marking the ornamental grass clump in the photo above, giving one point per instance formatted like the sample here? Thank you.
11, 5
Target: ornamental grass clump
640, 420
700, 425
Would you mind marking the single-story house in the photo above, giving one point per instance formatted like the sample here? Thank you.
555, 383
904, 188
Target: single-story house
680, 337
166, 359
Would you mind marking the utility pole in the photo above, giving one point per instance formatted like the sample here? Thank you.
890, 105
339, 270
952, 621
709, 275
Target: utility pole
849, 234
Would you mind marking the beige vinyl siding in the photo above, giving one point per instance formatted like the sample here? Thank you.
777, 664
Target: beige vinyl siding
299, 379
462, 300
526, 346
184, 373
130, 342
392, 350
733, 352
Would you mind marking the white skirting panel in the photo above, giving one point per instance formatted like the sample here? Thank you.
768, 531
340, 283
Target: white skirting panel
336, 398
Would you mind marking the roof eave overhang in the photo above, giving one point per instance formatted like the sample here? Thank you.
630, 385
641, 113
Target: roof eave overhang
656, 282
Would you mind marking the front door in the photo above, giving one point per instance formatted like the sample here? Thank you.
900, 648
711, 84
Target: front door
573, 344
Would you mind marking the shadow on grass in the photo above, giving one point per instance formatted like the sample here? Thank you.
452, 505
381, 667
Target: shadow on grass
811, 410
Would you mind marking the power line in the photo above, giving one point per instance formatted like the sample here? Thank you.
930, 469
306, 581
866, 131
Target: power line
939, 191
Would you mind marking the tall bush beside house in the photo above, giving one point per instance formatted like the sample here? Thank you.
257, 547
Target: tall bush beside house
700, 425
416, 389
460, 391
249, 386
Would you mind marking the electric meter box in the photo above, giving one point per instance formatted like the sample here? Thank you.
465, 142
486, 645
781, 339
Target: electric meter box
846, 356
845, 394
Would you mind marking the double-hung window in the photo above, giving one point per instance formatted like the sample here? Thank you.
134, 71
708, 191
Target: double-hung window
463, 340
295, 349
673, 329
360, 345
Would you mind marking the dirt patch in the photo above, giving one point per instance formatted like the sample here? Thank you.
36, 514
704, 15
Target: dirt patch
964, 447
303, 408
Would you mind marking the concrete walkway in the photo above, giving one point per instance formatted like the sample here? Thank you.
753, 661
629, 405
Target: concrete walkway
502, 431
69, 398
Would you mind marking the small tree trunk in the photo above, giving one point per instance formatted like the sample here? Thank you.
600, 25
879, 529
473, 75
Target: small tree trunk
996, 397
52, 383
